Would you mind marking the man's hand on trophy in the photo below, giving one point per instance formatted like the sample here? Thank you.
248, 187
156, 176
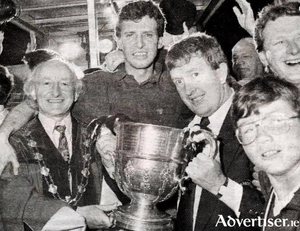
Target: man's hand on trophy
206, 172
106, 146
98, 216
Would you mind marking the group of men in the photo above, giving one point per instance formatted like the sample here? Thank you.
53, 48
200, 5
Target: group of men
51, 164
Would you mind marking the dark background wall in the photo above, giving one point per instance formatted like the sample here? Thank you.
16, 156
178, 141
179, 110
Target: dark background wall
14, 44
224, 25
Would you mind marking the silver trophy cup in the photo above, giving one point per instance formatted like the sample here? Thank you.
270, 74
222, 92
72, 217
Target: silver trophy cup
149, 164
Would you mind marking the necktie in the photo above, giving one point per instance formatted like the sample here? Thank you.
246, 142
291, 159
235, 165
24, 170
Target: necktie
63, 143
204, 123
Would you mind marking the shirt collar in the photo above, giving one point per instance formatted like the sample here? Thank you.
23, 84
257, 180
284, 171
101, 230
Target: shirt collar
291, 200
121, 74
219, 116
49, 123
3, 114
216, 119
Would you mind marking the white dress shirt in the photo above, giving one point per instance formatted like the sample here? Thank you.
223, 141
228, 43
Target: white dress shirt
65, 218
49, 126
232, 194
108, 196
3, 113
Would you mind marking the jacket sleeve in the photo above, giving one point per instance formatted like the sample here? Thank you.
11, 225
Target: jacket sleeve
252, 204
20, 204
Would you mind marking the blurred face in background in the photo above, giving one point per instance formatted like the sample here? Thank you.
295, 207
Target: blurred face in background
245, 61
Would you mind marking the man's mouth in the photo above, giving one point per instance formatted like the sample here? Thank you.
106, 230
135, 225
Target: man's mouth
270, 154
292, 62
140, 54
197, 99
55, 100
243, 69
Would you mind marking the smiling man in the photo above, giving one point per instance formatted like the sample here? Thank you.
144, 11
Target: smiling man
266, 112
277, 37
140, 88
57, 174
199, 69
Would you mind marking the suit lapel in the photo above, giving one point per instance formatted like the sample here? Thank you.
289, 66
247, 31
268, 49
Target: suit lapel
207, 206
228, 150
186, 208
52, 157
45, 144
229, 145
76, 140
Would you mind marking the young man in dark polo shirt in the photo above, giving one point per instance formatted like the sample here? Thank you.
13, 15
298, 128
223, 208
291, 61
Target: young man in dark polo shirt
140, 90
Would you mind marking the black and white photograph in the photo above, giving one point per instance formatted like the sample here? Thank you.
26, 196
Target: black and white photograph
149, 115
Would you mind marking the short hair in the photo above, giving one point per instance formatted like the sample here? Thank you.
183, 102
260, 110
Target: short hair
262, 91
136, 11
272, 12
197, 45
6, 84
30, 81
248, 40
34, 58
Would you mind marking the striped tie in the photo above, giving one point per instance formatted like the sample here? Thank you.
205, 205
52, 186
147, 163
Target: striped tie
63, 143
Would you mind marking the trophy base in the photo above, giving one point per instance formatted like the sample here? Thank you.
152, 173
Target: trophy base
143, 220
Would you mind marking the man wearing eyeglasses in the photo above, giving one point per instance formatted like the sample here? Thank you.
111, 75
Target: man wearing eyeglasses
266, 112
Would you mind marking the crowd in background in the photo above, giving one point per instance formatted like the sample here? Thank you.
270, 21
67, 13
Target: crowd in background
164, 72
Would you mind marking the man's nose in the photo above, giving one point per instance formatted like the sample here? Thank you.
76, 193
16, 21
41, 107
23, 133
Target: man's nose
189, 88
140, 41
293, 47
56, 90
262, 135
240, 62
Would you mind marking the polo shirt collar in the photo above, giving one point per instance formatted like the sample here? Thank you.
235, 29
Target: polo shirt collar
121, 74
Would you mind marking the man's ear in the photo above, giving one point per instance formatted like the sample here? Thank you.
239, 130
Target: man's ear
222, 72
160, 43
33, 93
76, 96
263, 58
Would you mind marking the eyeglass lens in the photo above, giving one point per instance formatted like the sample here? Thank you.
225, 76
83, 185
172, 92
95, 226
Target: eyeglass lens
273, 125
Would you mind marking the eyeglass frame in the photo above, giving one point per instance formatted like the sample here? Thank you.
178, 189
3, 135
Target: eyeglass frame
257, 123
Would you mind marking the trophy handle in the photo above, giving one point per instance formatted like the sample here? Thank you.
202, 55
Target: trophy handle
212, 142
181, 181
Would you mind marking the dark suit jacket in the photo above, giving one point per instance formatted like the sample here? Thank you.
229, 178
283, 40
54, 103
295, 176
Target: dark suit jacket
26, 198
237, 167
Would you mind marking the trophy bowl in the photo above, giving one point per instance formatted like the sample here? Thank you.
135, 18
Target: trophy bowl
150, 163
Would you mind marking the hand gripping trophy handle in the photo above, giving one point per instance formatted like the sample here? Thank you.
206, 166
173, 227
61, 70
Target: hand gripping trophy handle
189, 147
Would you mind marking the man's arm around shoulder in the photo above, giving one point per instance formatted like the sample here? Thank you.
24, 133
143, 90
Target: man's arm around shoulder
17, 117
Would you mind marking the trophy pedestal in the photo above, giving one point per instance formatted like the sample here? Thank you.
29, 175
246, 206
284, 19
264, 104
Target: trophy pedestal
143, 218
